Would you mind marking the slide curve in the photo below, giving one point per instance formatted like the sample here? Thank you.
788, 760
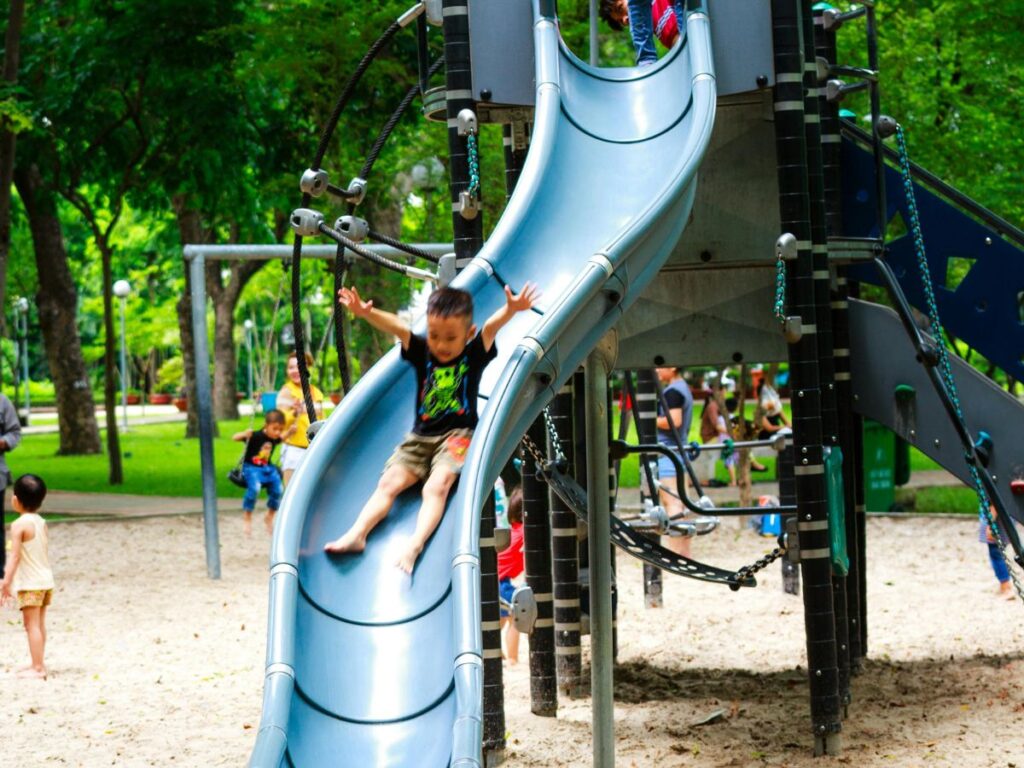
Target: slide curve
366, 666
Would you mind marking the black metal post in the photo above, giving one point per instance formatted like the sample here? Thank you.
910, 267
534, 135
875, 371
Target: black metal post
849, 422
565, 561
490, 621
822, 303
784, 471
805, 377
537, 554
516, 141
647, 432
467, 233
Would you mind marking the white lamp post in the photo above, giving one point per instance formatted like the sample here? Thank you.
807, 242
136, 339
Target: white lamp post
121, 289
22, 308
248, 326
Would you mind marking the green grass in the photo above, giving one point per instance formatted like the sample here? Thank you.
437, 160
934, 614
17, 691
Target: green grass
942, 499
158, 461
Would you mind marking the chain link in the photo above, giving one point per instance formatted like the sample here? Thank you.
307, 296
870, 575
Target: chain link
747, 571
474, 165
945, 369
779, 308
535, 452
554, 439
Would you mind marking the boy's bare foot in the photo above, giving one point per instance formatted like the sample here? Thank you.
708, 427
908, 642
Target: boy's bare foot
348, 543
1006, 590
32, 674
268, 521
408, 559
247, 523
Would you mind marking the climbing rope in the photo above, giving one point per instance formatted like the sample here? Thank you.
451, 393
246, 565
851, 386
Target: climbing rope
945, 368
779, 308
474, 165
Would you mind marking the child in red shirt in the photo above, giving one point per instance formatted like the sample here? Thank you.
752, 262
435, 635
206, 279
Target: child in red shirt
510, 566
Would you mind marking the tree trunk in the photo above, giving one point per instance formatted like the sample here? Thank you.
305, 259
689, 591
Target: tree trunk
116, 476
56, 302
12, 53
225, 361
190, 231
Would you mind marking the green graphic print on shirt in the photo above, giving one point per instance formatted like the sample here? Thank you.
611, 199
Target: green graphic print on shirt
443, 391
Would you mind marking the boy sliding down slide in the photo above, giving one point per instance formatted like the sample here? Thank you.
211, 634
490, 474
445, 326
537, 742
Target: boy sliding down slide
449, 361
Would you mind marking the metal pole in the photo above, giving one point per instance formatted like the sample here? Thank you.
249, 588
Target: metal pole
537, 559
24, 359
248, 345
205, 410
599, 544
594, 50
124, 368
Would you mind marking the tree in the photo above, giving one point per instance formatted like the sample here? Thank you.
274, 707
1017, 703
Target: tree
11, 120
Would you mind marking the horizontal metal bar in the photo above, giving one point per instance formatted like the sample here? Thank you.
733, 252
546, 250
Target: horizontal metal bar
319, 251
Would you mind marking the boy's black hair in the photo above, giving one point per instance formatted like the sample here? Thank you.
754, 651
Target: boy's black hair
605, 12
30, 490
450, 302
273, 416
515, 506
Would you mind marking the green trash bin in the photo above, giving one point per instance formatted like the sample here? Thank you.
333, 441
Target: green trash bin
879, 462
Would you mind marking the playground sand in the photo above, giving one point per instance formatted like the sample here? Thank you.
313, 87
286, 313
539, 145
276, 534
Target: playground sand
153, 664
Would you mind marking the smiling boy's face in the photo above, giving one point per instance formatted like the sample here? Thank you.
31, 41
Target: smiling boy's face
447, 337
273, 429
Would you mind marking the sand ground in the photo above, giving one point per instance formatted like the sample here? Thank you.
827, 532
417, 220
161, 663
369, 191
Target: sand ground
154, 664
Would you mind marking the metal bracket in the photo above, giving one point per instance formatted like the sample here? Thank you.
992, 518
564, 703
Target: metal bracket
314, 182
352, 227
836, 90
524, 609
786, 247
792, 540
466, 122
435, 15
446, 270
519, 136
793, 329
314, 428
306, 222
469, 206
356, 190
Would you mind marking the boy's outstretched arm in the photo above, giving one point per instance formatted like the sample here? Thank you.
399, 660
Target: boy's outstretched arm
378, 318
245, 434
514, 302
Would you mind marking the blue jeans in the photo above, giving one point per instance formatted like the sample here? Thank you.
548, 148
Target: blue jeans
641, 28
257, 476
998, 564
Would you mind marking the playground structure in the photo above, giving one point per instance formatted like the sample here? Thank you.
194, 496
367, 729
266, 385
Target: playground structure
666, 258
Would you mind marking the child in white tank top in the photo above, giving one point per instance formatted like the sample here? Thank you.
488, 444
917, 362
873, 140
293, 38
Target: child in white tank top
28, 573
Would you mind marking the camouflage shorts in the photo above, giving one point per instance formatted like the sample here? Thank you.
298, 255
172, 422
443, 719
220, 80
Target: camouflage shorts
421, 454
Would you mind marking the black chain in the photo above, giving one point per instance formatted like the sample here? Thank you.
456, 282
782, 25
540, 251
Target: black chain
748, 571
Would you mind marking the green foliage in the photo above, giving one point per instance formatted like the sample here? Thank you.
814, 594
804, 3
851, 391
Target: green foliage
170, 376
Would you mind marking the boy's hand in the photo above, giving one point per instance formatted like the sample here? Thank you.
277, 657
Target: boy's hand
349, 298
525, 299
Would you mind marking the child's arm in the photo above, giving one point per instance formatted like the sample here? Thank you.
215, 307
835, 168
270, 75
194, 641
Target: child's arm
513, 303
378, 318
17, 533
242, 436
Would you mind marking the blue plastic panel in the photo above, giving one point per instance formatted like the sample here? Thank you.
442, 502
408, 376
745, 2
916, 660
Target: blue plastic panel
988, 298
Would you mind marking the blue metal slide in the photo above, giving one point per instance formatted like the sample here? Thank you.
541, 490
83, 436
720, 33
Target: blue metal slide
365, 665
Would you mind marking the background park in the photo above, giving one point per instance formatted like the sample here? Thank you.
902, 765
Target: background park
129, 130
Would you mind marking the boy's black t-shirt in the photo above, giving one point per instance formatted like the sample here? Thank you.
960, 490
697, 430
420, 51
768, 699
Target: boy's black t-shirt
446, 393
260, 448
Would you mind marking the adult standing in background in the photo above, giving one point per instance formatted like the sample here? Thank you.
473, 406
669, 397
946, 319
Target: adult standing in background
10, 436
679, 399
291, 402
